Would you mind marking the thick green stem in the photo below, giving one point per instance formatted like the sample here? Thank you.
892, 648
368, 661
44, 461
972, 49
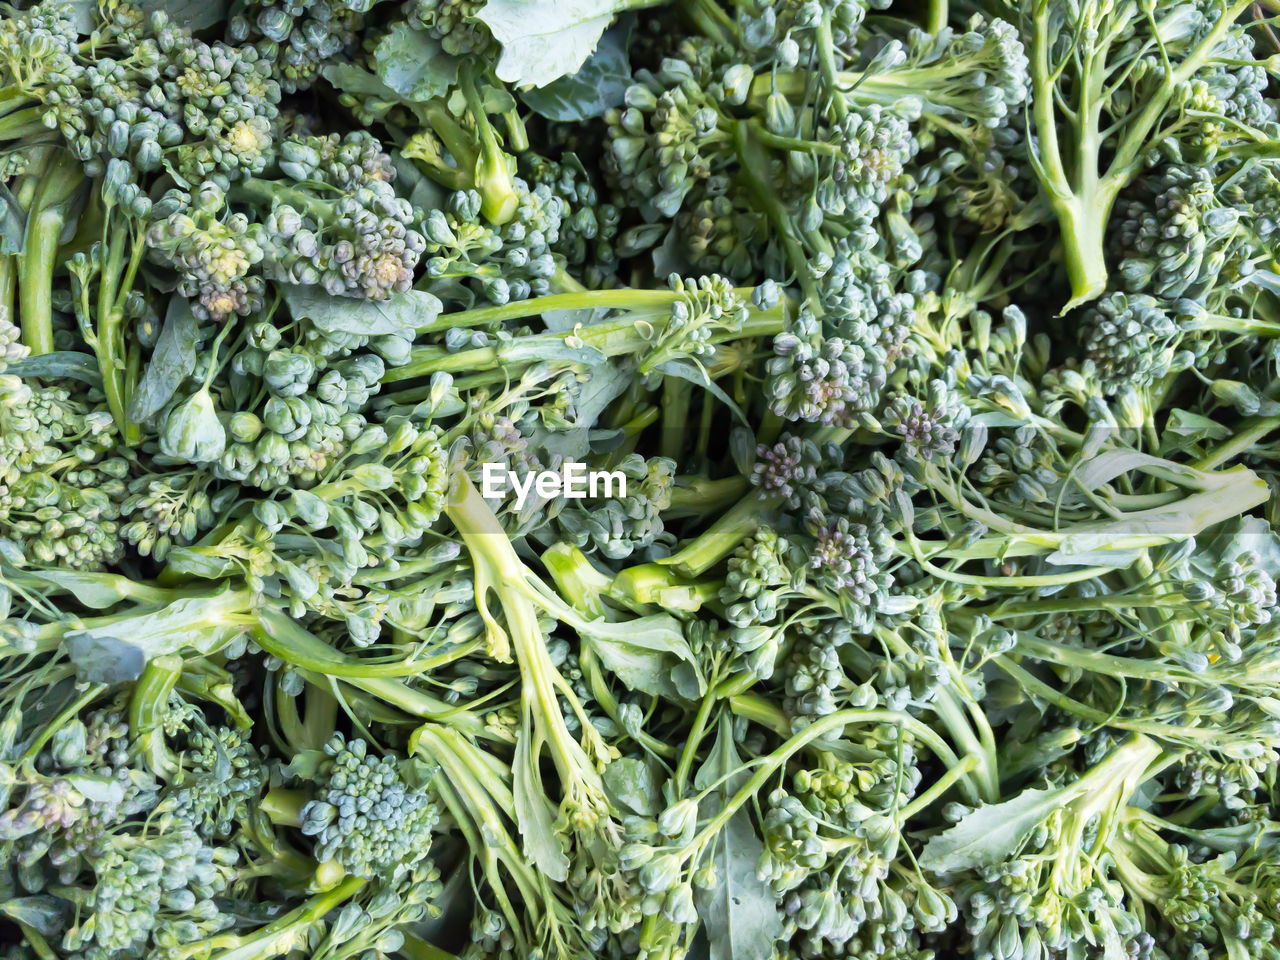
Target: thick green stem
279, 937
35, 280
724, 536
284, 807
147, 710
937, 19
60, 183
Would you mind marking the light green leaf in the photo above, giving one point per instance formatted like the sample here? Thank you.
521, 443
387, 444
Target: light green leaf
535, 815
989, 834
372, 318
118, 651
97, 788
352, 79
600, 84
630, 783
544, 40
98, 591
740, 912
644, 654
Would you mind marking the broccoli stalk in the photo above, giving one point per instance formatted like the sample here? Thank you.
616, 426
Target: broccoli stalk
1089, 145
56, 197
279, 937
643, 329
501, 573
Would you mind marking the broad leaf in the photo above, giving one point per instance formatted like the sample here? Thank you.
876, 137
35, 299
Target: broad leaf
118, 652
44, 914
600, 84
535, 815
352, 79
172, 361
97, 788
544, 40
989, 834
13, 223
98, 591
630, 783
645, 654
412, 63
59, 365
740, 911
370, 318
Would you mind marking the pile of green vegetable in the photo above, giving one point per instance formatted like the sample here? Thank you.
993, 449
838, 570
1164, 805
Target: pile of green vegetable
938, 344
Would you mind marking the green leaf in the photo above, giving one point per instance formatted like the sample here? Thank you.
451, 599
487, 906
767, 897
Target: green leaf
371, 318
989, 834
412, 64
102, 658
352, 79
599, 85
97, 788
190, 14
98, 591
119, 650
644, 654
740, 911
172, 361
45, 915
544, 40
59, 365
13, 223
630, 783
686, 370
536, 815
189, 562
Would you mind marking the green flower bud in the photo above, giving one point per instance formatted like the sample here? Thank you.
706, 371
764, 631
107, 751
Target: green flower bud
244, 427
661, 873
193, 432
679, 819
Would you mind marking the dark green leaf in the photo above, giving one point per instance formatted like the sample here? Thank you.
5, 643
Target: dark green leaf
61, 364
412, 63
600, 84
172, 361
13, 223
371, 318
